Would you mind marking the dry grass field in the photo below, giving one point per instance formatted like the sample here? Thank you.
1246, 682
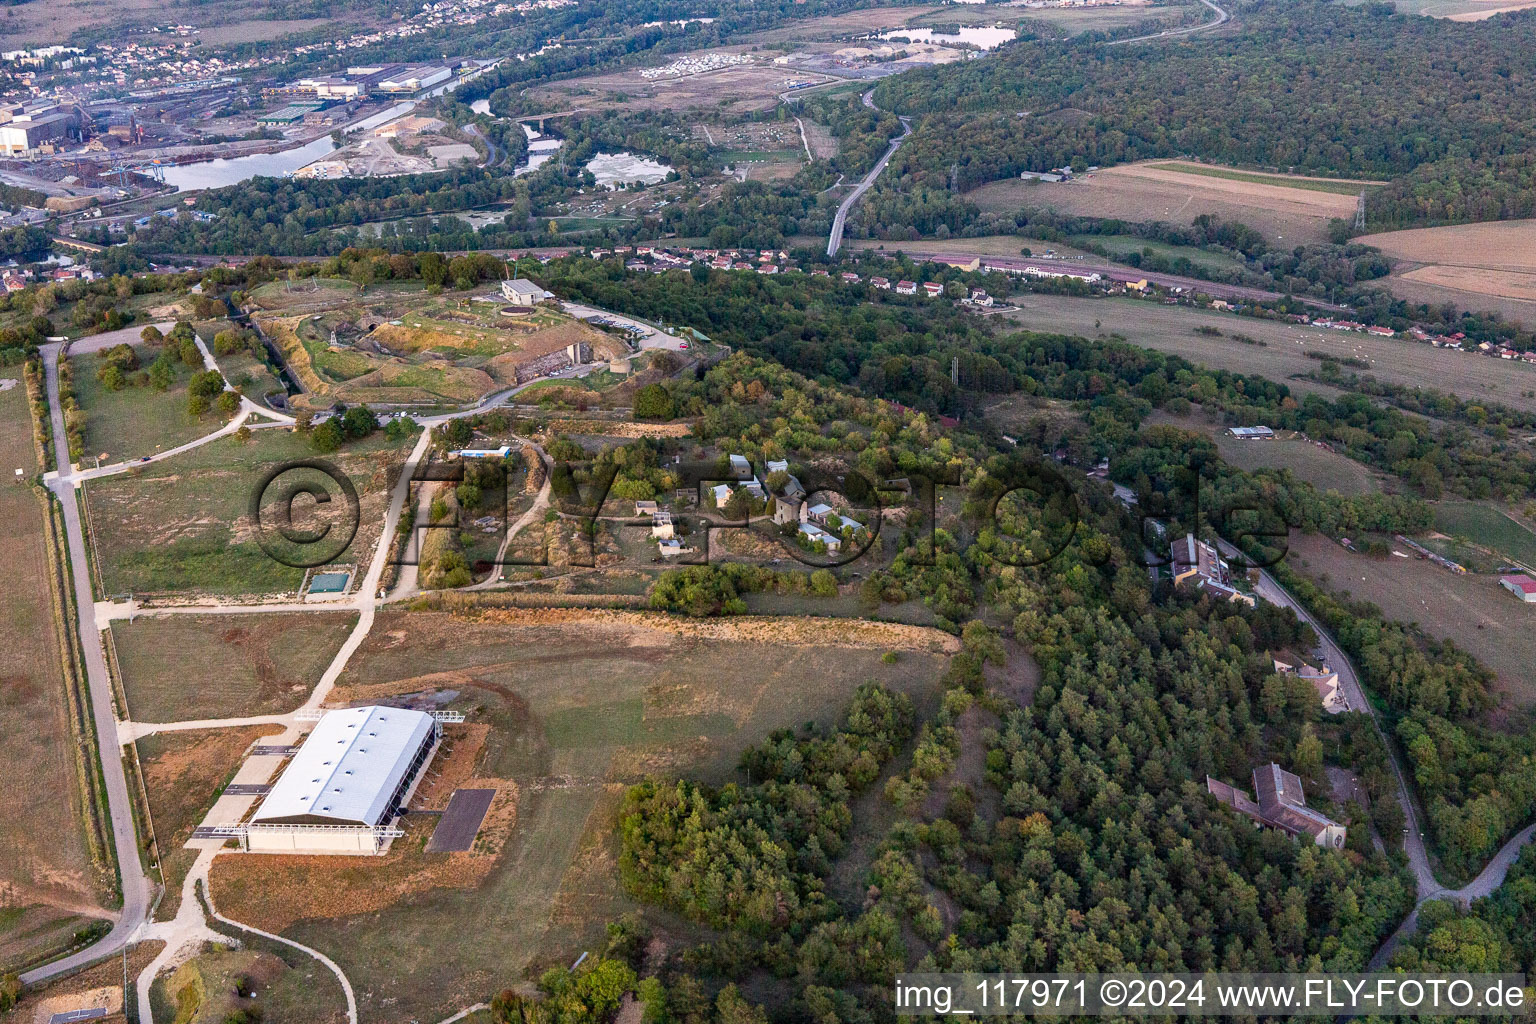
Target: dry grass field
1476, 266
986, 245
45, 862
183, 774
1172, 329
181, 529
1474, 611
730, 91
1155, 191
1462, 10
176, 668
570, 708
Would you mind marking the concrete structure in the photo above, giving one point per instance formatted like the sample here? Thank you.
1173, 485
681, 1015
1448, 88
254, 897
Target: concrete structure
1281, 804
349, 780
661, 525
414, 78
1523, 587
37, 127
484, 453
741, 467
522, 292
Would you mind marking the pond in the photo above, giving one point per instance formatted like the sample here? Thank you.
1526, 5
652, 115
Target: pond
625, 168
976, 35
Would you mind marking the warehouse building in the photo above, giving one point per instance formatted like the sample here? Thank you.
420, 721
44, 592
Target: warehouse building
346, 784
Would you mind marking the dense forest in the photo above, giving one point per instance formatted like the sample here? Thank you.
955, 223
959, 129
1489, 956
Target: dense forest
1315, 87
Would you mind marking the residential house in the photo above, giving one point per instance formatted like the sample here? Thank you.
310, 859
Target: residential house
932, 289
661, 525
646, 508
521, 292
906, 287
1281, 804
849, 277
881, 283
741, 468
815, 534
979, 297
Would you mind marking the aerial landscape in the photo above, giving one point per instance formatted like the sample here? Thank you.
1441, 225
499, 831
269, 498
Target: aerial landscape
766, 511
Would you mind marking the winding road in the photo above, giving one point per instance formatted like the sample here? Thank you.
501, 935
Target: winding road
1222, 17
835, 239
1428, 886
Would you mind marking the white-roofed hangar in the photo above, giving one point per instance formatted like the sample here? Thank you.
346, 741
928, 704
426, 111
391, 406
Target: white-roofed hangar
346, 784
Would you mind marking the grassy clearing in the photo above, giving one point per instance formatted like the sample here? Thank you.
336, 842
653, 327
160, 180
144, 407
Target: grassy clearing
123, 425
44, 857
1486, 527
182, 528
1339, 185
1284, 353
1472, 610
1323, 469
576, 707
184, 667
1119, 246
298, 294
291, 987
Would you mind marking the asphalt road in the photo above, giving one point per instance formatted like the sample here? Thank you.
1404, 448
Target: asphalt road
135, 883
1222, 17
835, 239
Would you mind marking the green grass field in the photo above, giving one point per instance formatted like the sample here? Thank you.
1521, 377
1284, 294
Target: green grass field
1121, 245
182, 527
1487, 527
123, 425
575, 710
183, 667
1337, 186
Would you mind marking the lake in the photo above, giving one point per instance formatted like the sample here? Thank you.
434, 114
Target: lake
625, 168
975, 35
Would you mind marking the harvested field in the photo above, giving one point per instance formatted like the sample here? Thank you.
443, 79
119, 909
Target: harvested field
1340, 186
1476, 266
577, 706
1482, 618
1148, 192
181, 667
180, 529
841, 26
1487, 527
1171, 329
1462, 10
44, 857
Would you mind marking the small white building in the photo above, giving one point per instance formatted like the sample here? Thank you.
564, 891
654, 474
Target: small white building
522, 292
346, 785
661, 525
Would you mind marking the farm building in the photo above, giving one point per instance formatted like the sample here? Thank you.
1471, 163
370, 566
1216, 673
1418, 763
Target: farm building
1523, 587
1252, 433
343, 789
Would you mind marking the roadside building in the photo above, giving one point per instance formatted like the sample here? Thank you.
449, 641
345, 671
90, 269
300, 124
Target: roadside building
1323, 679
1281, 804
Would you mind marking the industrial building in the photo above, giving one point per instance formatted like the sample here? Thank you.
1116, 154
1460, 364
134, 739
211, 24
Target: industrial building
28, 129
346, 784
522, 292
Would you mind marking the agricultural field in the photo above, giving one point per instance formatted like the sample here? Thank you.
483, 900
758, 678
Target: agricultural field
1462, 10
1155, 192
1323, 469
47, 879
564, 709
416, 350
1472, 610
1477, 266
176, 668
981, 245
181, 528
137, 420
1172, 329
762, 150
1485, 526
